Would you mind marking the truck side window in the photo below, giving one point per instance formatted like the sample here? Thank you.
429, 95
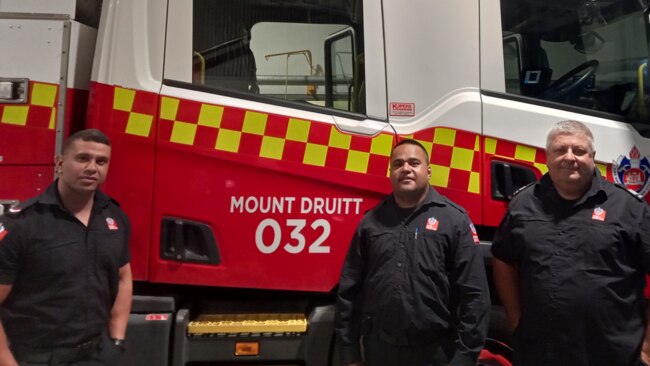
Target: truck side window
589, 55
277, 49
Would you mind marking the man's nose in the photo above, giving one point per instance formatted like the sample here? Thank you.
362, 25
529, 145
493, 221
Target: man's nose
569, 155
92, 165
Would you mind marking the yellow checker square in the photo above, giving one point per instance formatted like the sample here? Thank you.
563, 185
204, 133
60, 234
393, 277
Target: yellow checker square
169, 108
525, 153
477, 144
542, 167
44, 95
428, 146
15, 115
315, 155
357, 161
254, 123
444, 136
272, 147
123, 99
298, 130
490, 145
228, 140
139, 124
602, 169
339, 140
183, 133
210, 116
462, 158
381, 145
439, 175
474, 185
52, 124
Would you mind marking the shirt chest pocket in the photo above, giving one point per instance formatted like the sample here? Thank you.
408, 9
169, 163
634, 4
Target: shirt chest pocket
109, 246
381, 248
604, 249
430, 252
55, 258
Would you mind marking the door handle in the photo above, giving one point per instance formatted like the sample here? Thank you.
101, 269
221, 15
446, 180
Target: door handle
14, 90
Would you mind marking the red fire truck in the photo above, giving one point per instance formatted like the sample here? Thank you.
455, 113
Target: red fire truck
250, 136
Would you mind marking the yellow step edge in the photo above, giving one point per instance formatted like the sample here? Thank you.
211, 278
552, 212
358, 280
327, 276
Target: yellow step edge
248, 323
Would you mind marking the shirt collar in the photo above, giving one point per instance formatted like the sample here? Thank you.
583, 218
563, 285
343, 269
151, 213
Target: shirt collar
545, 187
51, 196
432, 197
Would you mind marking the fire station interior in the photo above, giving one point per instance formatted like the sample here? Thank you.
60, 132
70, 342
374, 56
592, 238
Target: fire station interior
585, 54
239, 46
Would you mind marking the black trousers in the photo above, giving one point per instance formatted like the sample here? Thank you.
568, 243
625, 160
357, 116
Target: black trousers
101, 354
380, 351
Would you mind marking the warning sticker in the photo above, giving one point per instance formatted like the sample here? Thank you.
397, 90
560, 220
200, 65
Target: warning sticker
402, 109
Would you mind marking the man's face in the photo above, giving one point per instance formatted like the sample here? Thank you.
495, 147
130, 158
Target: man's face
409, 170
83, 167
570, 161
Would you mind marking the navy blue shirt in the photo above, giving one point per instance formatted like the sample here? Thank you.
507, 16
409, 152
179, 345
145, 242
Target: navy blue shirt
419, 275
582, 267
64, 275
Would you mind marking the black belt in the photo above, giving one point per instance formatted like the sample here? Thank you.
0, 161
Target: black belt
80, 352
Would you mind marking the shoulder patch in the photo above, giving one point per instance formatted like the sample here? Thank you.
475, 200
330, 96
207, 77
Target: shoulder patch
3, 231
631, 192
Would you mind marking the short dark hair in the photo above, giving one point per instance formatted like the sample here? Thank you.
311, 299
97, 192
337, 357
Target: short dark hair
411, 142
90, 134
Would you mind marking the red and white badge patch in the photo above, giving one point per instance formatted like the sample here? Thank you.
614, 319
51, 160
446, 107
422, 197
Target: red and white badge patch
432, 224
599, 214
474, 234
3, 231
112, 224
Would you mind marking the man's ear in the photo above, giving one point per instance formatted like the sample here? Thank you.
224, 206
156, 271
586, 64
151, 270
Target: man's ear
58, 163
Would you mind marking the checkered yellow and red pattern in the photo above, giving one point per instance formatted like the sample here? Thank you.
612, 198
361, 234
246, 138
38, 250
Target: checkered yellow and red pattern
455, 157
134, 111
39, 112
454, 154
271, 136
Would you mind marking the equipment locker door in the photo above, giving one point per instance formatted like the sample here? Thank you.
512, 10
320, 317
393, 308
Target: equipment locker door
33, 75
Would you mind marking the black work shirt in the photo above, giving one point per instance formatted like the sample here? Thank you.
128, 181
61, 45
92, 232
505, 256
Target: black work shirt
64, 275
420, 278
582, 267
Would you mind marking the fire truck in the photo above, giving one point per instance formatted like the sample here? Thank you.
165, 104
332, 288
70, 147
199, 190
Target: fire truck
250, 136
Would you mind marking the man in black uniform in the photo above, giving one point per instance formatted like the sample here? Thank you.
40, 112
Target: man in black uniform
413, 284
570, 260
65, 278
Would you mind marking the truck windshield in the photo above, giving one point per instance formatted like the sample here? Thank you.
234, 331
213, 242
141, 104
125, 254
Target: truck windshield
589, 54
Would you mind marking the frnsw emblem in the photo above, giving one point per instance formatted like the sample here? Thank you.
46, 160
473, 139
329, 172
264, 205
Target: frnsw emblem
633, 172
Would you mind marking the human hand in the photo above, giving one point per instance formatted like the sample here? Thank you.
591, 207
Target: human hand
645, 352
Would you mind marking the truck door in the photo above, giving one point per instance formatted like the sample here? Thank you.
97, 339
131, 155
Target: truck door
43, 91
269, 148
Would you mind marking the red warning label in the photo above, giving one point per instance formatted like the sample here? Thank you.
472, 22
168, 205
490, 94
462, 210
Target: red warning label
402, 109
